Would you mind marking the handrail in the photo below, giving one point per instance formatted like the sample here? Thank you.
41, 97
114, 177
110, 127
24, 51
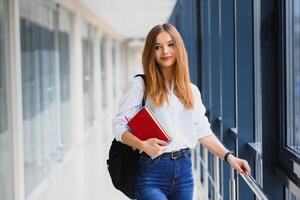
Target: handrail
255, 187
250, 181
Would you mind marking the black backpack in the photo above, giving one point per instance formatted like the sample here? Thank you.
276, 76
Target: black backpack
122, 164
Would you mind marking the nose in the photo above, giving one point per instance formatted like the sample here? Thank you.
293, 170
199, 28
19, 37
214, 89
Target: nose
165, 51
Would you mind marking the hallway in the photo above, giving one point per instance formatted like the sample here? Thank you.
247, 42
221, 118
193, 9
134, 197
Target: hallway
82, 174
65, 64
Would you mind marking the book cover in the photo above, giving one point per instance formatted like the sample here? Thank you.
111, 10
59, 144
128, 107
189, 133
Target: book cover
144, 125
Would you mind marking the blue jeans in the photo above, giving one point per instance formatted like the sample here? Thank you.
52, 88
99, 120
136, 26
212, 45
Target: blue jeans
165, 178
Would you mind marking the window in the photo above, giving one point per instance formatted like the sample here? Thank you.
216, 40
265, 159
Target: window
114, 70
41, 95
3, 102
257, 145
290, 96
64, 62
88, 72
103, 47
293, 75
6, 163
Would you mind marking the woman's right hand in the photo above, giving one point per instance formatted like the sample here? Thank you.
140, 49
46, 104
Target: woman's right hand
154, 147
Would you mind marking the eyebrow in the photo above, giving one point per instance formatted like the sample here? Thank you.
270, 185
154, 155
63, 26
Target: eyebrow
156, 43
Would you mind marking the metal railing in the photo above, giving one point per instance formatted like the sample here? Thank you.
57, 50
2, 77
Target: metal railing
250, 181
255, 187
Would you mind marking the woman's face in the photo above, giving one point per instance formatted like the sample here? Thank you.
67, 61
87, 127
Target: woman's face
165, 55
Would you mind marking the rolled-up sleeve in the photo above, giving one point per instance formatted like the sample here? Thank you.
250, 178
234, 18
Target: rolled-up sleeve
201, 123
129, 105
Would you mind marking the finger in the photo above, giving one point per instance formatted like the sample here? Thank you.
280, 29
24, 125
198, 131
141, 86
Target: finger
161, 142
152, 140
159, 147
239, 169
163, 148
245, 171
247, 168
160, 152
156, 147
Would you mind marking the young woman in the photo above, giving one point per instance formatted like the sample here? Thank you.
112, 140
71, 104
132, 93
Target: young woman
165, 170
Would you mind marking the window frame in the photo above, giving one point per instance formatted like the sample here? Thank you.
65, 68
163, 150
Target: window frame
103, 69
88, 69
257, 92
289, 161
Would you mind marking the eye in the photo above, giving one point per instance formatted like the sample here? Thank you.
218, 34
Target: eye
157, 47
171, 44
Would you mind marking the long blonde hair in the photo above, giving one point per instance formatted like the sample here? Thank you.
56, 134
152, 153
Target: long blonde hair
155, 83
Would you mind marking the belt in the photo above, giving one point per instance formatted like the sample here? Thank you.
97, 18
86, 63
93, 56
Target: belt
174, 154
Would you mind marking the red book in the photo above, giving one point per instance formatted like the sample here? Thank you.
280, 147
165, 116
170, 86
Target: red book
144, 125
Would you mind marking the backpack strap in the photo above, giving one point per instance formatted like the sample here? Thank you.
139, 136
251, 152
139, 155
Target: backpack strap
144, 97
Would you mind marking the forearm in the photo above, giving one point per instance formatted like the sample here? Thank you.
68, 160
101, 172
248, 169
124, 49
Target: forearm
131, 140
214, 146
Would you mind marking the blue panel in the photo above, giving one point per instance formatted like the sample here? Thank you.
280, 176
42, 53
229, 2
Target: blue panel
205, 48
228, 100
185, 11
244, 69
245, 91
215, 64
228, 94
270, 62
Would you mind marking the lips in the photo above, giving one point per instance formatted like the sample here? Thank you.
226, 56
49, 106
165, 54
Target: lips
166, 58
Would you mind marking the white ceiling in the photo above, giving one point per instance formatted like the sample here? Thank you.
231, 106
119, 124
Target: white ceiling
132, 18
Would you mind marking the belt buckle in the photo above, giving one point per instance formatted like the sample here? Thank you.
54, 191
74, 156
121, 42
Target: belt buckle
176, 154
173, 156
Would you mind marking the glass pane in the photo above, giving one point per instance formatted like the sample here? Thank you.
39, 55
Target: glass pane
6, 164
296, 61
64, 61
88, 72
294, 135
103, 72
3, 103
40, 92
114, 69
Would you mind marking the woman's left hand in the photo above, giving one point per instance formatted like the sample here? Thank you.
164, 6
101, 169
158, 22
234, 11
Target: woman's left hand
240, 165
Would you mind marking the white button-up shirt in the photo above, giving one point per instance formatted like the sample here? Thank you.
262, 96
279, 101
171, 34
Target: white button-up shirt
185, 127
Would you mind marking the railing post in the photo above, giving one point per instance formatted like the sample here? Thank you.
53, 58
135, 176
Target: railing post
217, 178
232, 189
197, 171
205, 172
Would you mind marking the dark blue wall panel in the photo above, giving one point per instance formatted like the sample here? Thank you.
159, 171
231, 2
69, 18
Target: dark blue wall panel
205, 54
245, 83
270, 109
184, 18
215, 60
228, 83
